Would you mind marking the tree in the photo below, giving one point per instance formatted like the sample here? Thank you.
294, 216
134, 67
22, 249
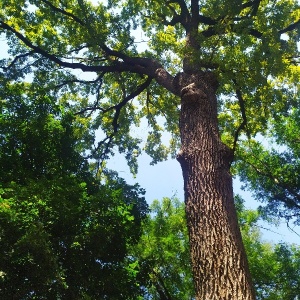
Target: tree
164, 266
63, 233
227, 61
274, 172
163, 255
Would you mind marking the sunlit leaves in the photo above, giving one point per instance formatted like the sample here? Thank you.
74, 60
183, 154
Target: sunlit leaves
163, 253
249, 46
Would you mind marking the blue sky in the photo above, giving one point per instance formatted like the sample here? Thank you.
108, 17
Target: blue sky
165, 180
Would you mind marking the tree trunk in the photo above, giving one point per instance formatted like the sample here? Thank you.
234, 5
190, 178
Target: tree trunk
219, 261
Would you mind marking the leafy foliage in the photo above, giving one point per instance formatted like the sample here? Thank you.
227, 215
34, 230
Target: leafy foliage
63, 234
87, 59
250, 46
273, 174
163, 253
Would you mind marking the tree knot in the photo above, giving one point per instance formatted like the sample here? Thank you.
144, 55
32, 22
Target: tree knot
192, 92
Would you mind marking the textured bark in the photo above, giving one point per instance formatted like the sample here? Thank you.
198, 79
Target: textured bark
218, 258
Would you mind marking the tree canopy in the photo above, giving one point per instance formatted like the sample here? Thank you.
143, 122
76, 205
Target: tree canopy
124, 45
273, 173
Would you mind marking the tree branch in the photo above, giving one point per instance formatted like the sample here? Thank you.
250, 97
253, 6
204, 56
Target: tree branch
99, 78
57, 60
118, 107
184, 10
207, 20
211, 31
195, 14
16, 58
243, 125
254, 4
175, 20
290, 27
68, 14
182, 18
161, 287
285, 187
138, 65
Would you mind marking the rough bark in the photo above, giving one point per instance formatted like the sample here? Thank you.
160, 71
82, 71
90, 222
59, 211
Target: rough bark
219, 261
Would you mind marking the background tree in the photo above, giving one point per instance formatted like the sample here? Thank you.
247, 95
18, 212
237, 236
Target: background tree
163, 255
244, 52
63, 234
273, 172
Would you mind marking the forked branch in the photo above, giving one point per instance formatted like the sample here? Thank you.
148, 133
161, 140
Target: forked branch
106, 142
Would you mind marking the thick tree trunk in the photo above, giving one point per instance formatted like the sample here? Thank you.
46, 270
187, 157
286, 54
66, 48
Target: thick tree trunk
218, 258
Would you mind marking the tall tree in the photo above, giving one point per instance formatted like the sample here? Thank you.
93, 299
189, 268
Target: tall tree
226, 60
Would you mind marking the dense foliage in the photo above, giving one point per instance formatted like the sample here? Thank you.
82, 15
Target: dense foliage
251, 46
63, 234
163, 253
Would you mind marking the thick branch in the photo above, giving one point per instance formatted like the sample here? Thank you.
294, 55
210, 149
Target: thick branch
184, 10
175, 20
183, 18
138, 65
207, 20
54, 58
165, 79
254, 4
210, 21
212, 31
195, 14
254, 32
